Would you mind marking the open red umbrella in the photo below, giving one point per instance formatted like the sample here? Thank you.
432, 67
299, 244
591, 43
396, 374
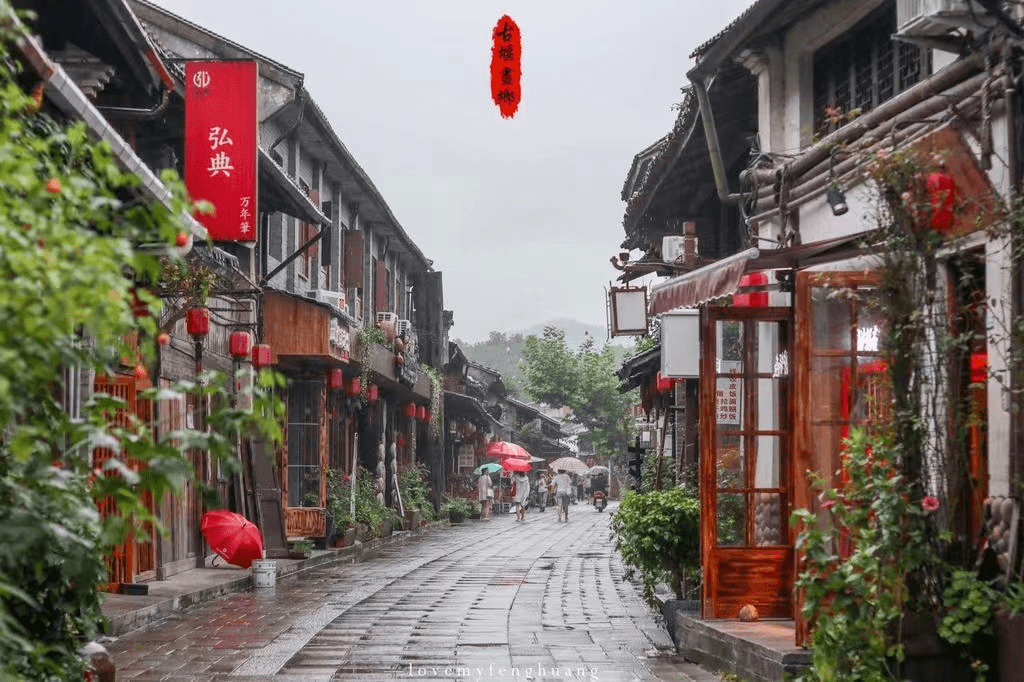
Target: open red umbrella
232, 536
516, 464
505, 450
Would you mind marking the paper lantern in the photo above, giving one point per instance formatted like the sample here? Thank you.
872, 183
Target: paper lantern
754, 299
197, 321
421, 413
371, 392
239, 344
410, 410
427, 414
335, 378
664, 384
261, 355
355, 387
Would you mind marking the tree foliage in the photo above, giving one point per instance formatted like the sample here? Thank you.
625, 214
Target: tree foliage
585, 382
658, 533
71, 222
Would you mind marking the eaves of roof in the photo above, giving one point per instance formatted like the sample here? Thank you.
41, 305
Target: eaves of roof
634, 369
141, 52
269, 68
673, 145
651, 152
67, 96
346, 157
469, 408
764, 17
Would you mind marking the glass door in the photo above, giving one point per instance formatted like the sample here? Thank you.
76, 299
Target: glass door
745, 442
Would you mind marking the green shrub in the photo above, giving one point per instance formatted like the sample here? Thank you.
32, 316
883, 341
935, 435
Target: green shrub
369, 509
458, 506
658, 533
415, 494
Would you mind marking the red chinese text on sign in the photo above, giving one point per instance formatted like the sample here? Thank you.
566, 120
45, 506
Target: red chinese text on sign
506, 55
220, 145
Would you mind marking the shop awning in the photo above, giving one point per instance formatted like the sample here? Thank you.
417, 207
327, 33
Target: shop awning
716, 280
278, 192
722, 278
469, 408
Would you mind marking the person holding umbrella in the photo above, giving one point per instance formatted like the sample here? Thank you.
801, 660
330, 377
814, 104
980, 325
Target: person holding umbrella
563, 489
521, 493
485, 493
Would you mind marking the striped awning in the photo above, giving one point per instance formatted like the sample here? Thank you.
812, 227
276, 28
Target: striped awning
718, 279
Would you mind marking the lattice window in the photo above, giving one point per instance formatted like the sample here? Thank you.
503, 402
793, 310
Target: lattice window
304, 444
864, 68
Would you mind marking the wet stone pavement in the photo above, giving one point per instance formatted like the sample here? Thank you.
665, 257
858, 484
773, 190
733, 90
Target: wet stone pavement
494, 600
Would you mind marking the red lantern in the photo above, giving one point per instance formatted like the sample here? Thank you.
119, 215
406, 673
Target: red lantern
335, 378
410, 410
664, 384
754, 299
421, 413
427, 414
261, 355
941, 195
240, 345
355, 387
979, 367
197, 321
371, 392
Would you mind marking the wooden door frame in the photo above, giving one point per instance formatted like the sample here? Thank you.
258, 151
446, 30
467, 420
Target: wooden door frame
779, 555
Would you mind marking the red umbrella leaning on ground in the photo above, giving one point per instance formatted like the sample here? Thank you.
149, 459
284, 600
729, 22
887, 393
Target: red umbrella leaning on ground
235, 538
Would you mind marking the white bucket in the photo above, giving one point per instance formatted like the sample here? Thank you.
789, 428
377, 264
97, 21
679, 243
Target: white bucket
264, 573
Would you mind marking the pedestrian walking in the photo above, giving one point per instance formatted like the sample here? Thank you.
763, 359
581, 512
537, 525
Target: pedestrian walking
485, 493
521, 488
563, 491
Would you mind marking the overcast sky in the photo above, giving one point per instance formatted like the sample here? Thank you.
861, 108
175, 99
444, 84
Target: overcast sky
520, 215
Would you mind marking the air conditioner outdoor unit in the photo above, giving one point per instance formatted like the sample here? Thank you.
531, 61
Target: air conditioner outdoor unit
334, 298
403, 328
943, 18
672, 248
386, 318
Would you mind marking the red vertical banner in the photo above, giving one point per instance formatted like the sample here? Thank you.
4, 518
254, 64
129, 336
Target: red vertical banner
506, 66
221, 145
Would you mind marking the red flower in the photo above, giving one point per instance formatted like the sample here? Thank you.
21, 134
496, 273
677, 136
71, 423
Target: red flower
929, 503
827, 504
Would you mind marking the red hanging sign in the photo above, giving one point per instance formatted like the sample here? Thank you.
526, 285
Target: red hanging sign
220, 145
506, 55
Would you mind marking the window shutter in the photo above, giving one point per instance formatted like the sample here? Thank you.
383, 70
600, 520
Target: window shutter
326, 241
380, 292
353, 259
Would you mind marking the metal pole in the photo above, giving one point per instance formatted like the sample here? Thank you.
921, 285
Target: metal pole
352, 479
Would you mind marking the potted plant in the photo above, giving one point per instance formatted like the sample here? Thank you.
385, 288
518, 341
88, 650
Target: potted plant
457, 509
1009, 630
302, 549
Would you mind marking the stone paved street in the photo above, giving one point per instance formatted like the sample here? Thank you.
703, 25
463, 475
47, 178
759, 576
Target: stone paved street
497, 600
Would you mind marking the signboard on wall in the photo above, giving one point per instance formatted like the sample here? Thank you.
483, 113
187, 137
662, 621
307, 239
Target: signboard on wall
628, 311
220, 145
466, 458
680, 344
728, 394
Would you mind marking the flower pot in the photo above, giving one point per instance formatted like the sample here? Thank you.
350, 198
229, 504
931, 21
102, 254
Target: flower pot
1009, 638
350, 536
456, 517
